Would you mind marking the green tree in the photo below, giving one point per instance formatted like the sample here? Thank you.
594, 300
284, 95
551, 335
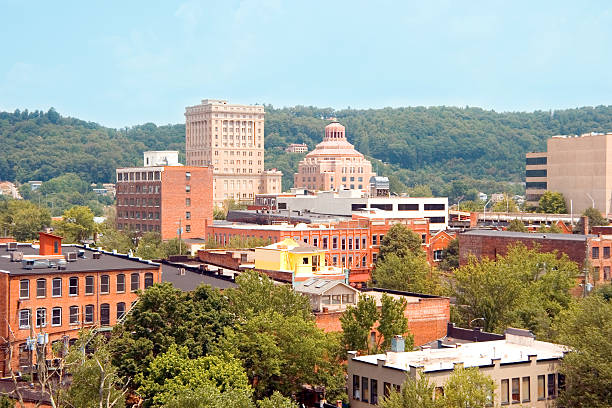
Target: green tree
23, 219
595, 217
6, 402
450, 256
209, 396
400, 241
506, 205
552, 203
411, 273
467, 387
357, 323
393, 322
517, 226
110, 239
77, 224
552, 228
586, 327
150, 246
165, 316
414, 393
173, 373
420, 190
526, 288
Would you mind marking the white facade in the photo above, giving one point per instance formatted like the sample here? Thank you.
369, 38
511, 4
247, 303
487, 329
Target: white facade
161, 158
348, 202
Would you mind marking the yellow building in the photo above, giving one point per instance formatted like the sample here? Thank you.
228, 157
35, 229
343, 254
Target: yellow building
301, 261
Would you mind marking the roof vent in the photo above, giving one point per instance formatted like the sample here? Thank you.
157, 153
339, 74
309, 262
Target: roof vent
71, 256
11, 246
16, 256
82, 253
96, 255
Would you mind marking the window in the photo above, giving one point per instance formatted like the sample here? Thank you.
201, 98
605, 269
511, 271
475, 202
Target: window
188, 215
357, 243
386, 389
187, 188
408, 207
595, 253
188, 175
121, 283
89, 314
305, 260
606, 252
73, 286
324, 242
356, 393
41, 317
538, 185
516, 391
350, 244
104, 284
504, 392
56, 287
187, 202
187, 228
364, 388
535, 173
148, 280
41, 288
56, 316
315, 241
552, 386
24, 289
374, 258
74, 315
335, 243
526, 395
541, 387
535, 160
89, 285
606, 273
135, 282
434, 207
374, 392
104, 314
343, 243
436, 220
24, 319
374, 240
438, 254
120, 310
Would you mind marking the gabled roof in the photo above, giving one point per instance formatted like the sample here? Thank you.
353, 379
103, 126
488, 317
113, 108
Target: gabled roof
316, 286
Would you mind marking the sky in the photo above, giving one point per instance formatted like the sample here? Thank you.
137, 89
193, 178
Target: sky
122, 63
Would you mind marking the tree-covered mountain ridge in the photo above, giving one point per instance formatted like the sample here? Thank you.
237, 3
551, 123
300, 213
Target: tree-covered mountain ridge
436, 146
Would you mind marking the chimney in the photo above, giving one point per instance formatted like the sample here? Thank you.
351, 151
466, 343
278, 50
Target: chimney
585, 224
397, 344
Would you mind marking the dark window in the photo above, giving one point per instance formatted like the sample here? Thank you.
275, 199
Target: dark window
552, 386
187, 228
541, 387
335, 243
24, 289
408, 207
148, 280
350, 244
324, 242
356, 207
526, 392
436, 220
595, 253
120, 310
89, 313
535, 160
74, 314
105, 314
135, 282
438, 254
73, 286
374, 392
535, 173
104, 284
606, 273
24, 318
561, 381
386, 389
606, 252
539, 185
505, 397
187, 202
364, 388
41, 288
343, 243
188, 215
56, 316
434, 207
374, 239
385, 207
41, 317
516, 391
282, 206
121, 283
89, 285
356, 393
56, 285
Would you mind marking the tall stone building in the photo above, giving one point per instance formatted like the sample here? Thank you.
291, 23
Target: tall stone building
334, 164
230, 137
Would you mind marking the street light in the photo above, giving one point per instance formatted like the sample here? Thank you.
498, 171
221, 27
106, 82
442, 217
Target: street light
458, 201
592, 201
484, 214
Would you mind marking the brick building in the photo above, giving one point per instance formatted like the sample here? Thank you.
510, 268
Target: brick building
579, 248
160, 198
57, 290
352, 244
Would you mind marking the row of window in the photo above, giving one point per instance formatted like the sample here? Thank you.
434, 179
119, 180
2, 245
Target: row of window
517, 390
606, 273
137, 202
74, 315
138, 227
595, 253
366, 389
73, 285
137, 176
136, 215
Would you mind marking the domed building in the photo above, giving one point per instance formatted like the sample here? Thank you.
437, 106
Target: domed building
334, 164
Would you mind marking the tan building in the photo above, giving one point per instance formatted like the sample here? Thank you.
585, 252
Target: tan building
525, 371
230, 138
334, 164
579, 167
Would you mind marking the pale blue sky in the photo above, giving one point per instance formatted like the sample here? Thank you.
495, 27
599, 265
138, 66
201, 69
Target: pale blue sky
128, 62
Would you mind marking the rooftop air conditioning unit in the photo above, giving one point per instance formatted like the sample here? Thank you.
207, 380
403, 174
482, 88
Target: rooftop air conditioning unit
71, 256
96, 255
11, 246
16, 256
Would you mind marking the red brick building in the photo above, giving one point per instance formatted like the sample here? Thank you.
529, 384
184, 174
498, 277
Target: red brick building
57, 290
162, 198
353, 244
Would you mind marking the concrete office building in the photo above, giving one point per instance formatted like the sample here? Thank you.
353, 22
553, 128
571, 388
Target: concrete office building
525, 371
230, 138
334, 164
579, 167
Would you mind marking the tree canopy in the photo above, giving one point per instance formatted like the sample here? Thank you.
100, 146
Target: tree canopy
552, 202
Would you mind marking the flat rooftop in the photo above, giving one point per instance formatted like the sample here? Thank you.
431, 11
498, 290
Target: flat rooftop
471, 355
190, 280
107, 262
527, 235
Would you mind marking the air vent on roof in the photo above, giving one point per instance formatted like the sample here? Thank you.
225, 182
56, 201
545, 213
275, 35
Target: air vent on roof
16, 256
71, 256
309, 282
11, 246
96, 255
82, 253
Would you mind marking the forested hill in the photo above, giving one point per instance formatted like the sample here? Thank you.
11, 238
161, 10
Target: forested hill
434, 146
